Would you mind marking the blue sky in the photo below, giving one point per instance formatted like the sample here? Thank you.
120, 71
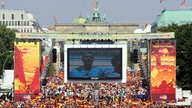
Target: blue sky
117, 11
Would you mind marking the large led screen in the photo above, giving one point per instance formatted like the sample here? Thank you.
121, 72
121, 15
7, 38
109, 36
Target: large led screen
94, 63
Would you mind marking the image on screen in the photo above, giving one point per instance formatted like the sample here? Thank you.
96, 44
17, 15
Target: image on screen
94, 63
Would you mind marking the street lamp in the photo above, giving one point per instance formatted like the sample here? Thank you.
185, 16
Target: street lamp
5, 62
5, 53
6, 57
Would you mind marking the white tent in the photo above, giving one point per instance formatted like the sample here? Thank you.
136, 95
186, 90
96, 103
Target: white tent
7, 79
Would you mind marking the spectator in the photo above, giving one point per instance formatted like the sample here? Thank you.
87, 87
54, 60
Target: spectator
116, 71
87, 70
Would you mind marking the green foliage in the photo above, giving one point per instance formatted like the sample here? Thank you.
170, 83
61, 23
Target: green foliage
51, 70
183, 36
7, 37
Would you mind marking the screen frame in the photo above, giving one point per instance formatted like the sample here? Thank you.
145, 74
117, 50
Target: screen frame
122, 48
92, 50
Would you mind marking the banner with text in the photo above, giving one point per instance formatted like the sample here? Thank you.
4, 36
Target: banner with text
98, 36
26, 69
163, 70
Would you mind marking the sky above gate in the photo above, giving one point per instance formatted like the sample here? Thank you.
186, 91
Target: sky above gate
139, 12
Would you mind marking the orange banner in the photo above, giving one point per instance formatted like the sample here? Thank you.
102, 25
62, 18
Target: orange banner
163, 70
26, 67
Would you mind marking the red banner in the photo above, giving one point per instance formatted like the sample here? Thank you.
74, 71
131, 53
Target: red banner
163, 71
26, 68
45, 59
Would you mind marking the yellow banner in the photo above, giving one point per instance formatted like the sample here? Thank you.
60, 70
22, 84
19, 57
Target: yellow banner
27, 67
97, 35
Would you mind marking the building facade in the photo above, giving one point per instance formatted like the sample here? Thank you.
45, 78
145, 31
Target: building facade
168, 17
96, 23
96, 28
20, 20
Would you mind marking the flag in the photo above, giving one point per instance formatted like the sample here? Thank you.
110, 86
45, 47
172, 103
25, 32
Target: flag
37, 97
136, 102
104, 85
78, 99
183, 2
161, 1
59, 104
62, 96
52, 99
145, 26
127, 100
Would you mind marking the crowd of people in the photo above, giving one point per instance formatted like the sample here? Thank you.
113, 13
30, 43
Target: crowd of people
57, 94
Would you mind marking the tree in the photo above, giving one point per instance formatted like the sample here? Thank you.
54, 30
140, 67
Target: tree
7, 37
183, 36
51, 70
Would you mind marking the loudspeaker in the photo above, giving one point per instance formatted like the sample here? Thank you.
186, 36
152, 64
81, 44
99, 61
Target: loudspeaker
131, 57
54, 51
135, 53
62, 56
44, 82
135, 56
135, 60
54, 55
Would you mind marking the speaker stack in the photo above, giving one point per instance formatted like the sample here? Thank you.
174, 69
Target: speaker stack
54, 55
